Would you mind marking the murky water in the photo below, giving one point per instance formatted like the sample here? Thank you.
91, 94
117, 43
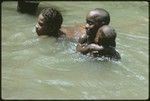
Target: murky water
43, 68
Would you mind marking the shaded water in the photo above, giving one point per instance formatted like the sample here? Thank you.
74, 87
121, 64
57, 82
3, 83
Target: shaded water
43, 68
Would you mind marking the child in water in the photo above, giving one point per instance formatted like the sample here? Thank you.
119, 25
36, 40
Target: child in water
99, 39
49, 23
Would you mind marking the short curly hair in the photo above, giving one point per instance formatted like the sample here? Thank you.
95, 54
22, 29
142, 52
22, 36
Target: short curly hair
104, 15
52, 17
108, 35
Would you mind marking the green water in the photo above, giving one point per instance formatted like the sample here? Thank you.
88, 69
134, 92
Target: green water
43, 68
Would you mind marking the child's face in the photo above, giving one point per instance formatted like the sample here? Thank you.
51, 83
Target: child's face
92, 23
41, 26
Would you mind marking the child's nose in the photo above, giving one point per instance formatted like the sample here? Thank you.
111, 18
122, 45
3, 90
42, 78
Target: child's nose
36, 26
86, 26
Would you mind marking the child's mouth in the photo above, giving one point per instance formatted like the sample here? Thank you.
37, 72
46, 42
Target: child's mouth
88, 31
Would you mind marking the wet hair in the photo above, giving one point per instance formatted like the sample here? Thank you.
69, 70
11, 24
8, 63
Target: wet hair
108, 36
103, 15
52, 18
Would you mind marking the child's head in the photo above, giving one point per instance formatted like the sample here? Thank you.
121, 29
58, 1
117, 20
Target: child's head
107, 36
96, 19
49, 22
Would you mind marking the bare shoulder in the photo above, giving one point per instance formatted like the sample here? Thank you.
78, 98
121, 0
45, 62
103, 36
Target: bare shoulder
82, 38
71, 31
68, 31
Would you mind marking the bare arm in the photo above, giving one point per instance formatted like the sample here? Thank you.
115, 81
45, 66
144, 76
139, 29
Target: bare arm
82, 45
85, 48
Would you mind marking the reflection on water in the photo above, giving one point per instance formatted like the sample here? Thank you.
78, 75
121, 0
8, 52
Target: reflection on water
46, 68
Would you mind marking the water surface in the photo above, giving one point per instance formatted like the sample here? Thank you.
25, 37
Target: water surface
44, 68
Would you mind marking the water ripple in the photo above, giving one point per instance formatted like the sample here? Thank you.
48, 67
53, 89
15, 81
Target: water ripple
56, 82
140, 77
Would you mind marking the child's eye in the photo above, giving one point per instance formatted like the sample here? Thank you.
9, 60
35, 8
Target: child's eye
90, 22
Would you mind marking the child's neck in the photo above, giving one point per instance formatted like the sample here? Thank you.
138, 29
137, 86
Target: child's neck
91, 39
54, 34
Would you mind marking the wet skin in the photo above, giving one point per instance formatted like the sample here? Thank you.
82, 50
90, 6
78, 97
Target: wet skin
41, 27
92, 23
66, 31
86, 42
91, 41
88, 32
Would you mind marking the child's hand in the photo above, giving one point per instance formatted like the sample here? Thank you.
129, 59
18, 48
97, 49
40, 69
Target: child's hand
95, 47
